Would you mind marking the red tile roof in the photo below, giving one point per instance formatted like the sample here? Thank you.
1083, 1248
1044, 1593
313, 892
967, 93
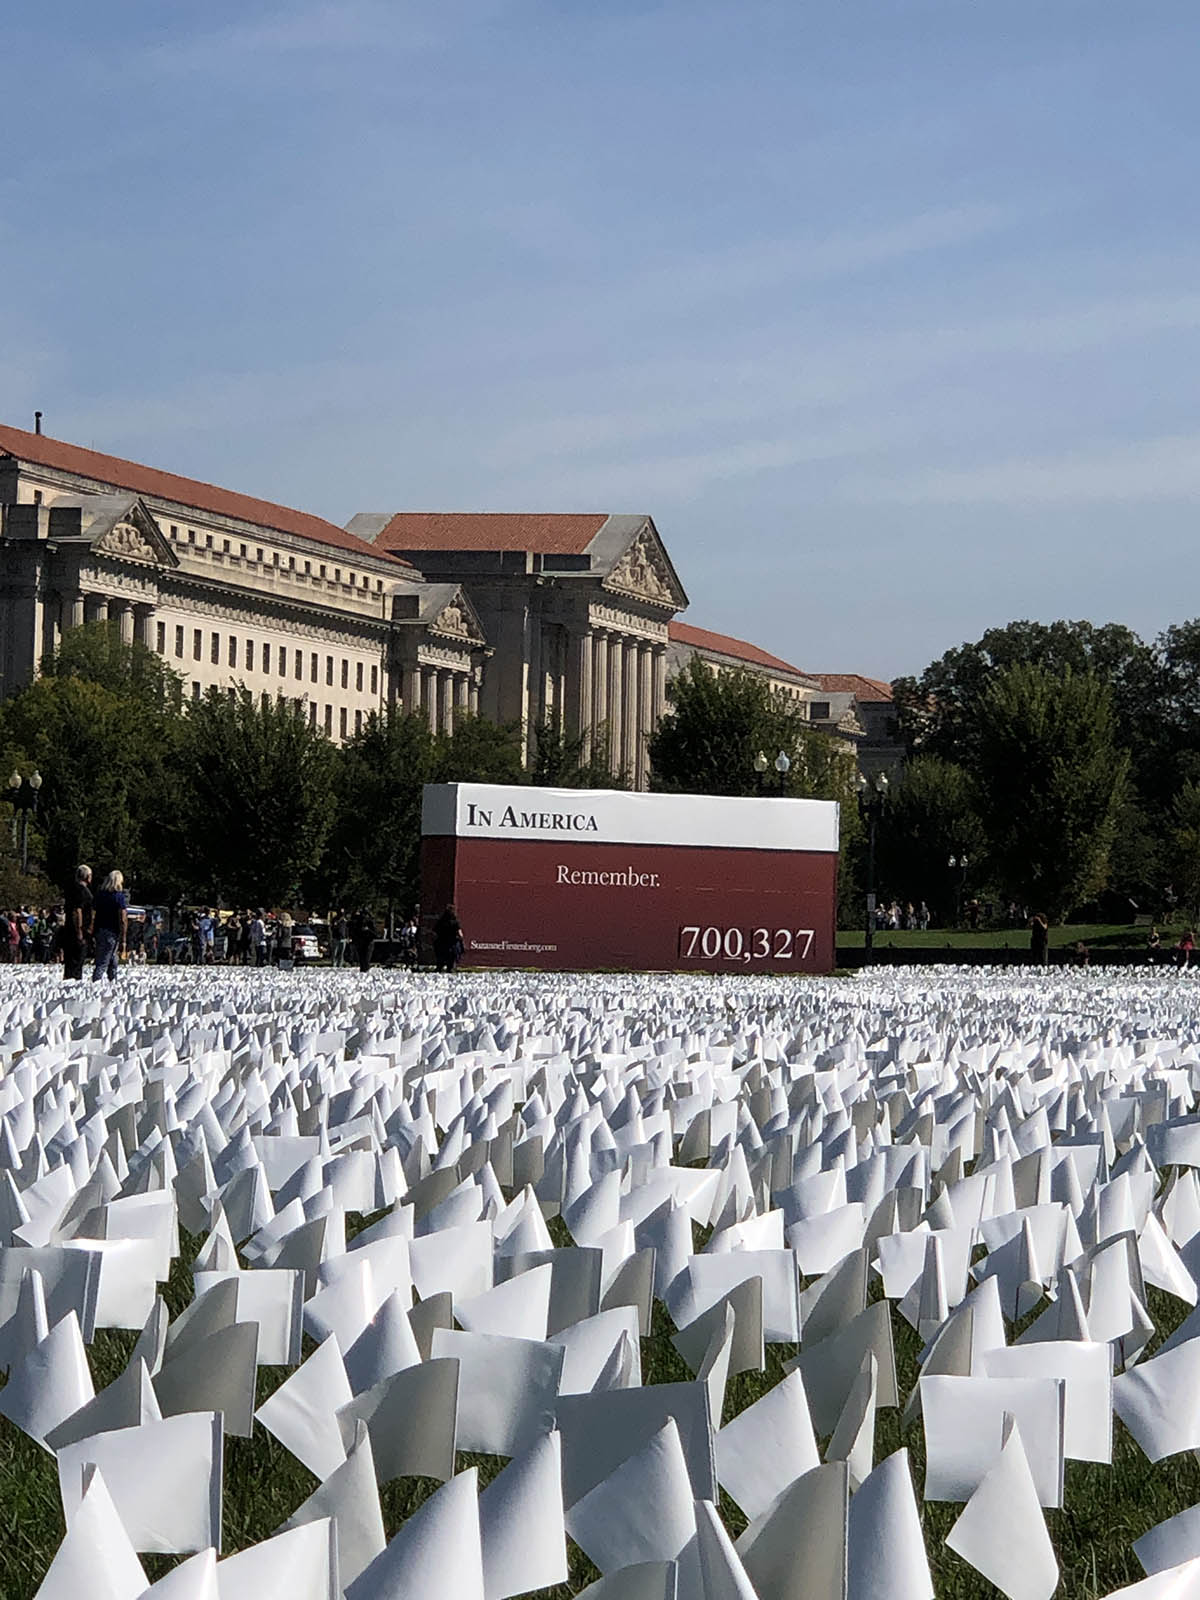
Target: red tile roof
39, 450
853, 683
723, 644
563, 534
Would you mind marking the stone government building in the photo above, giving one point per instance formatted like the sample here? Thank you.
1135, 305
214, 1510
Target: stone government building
520, 618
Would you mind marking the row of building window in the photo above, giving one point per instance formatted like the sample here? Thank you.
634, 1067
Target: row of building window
314, 715
189, 536
235, 648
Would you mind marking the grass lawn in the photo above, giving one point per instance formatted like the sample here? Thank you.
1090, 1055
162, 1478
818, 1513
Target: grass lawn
1096, 935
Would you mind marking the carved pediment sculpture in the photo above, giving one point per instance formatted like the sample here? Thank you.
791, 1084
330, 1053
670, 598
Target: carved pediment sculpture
128, 542
458, 620
643, 572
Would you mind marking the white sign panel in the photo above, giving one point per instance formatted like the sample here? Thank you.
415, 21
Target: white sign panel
608, 816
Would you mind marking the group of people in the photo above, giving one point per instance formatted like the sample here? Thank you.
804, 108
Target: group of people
93, 926
27, 935
895, 917
97, 920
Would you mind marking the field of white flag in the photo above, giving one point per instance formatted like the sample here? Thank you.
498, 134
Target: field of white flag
466, 1288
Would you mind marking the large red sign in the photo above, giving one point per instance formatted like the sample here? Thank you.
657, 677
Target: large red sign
571, 902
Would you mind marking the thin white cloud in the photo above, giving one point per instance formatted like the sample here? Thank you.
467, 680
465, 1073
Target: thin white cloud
1153, 469
287, 35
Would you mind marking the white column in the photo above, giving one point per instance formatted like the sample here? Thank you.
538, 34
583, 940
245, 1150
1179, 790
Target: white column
446, 695
532, 711
125, 620
660, 682
78, 611
473, 696
599, 680
412, 689
429, 695
462, 693
616, 699
582, 699
645, 710
629, 711
145, 625
97, 608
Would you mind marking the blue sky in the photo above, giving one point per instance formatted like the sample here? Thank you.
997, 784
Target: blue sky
888, 313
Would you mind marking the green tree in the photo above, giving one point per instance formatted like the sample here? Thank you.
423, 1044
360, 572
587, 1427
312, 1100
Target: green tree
1051, 782
373, 846
257, 791
567, 761
930, 815
938, 713
707, 741
98, 724
1185, 845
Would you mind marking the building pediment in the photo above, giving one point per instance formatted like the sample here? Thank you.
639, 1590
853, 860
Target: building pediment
643, 571
457, 620
118, 526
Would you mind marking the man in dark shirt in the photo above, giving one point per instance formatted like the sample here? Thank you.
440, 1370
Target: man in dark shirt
78, 929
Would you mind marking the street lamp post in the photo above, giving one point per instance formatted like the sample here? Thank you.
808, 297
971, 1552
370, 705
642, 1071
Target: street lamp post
23, 797
782, 764
872, 795
960, 887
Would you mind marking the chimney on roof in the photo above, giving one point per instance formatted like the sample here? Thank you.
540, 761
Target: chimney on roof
37, 422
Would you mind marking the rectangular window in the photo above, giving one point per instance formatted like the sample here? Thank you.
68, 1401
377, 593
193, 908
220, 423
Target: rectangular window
266, 694
214, 650
225, 546
197, 644
345, 673
242, 548
374, 679
275, 557
191, 535
818, 710
358, 676
160, 638
233, 649
259, 555
179, 642
291, 563
329, 720
195, 690
282, 662
322, 569
307, 568
266, 658
337, 574
208, 541
342, 721
249, 655
358, 722
329, 669
300, 663
174, 530
231, 692
312, 713
314, 667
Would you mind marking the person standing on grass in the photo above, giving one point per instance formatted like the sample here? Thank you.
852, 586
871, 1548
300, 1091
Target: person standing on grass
258, 938
362, 935
1039, 939
77, 929
111, 925
447, 940
341, 939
